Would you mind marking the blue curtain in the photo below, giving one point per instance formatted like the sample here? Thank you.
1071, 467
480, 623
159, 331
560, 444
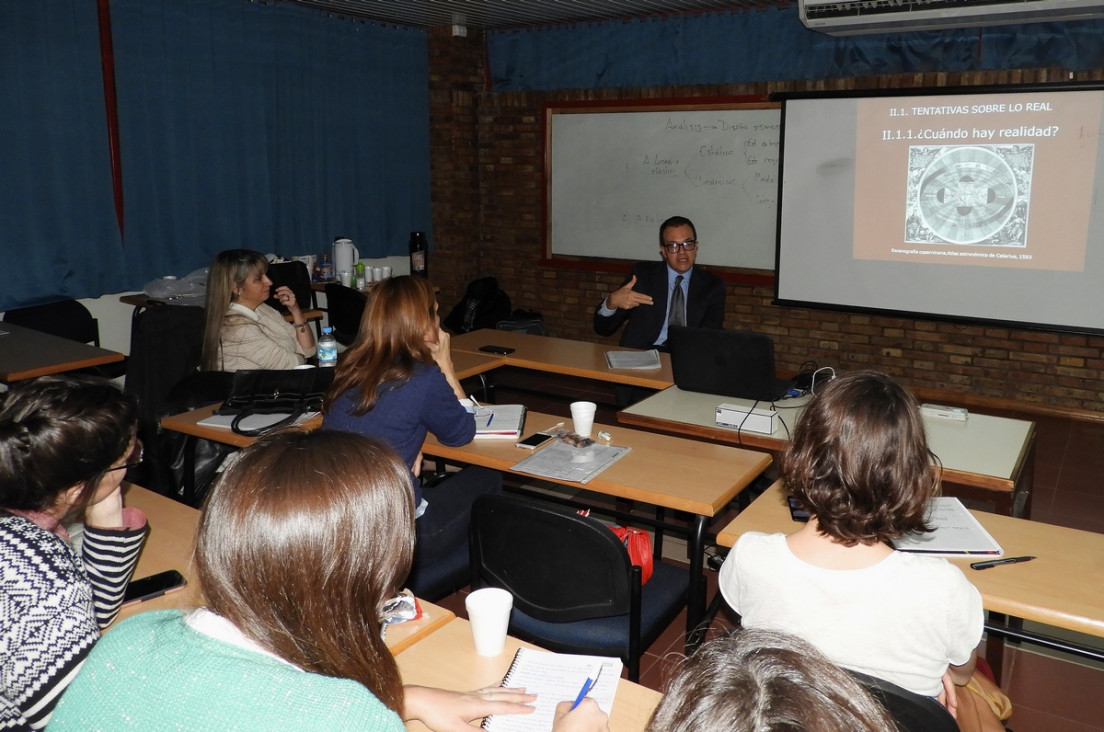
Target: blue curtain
771, 44
269, 127
58, 233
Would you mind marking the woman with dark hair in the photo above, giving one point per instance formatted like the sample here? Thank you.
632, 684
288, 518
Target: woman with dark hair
397, 383
299, 545
859, 463
762, 681
65, 445
241, 331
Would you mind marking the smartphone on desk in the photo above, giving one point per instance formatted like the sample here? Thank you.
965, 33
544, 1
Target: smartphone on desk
500, 350
156, 585
533, 441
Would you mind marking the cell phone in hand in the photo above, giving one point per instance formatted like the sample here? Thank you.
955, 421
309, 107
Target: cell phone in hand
155, 585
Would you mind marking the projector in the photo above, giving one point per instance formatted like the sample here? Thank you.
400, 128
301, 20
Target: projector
746, 419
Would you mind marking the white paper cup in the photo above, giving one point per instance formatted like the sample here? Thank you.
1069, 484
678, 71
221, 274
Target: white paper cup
582, 417
489, 615
345, 277
377, 274
385, 271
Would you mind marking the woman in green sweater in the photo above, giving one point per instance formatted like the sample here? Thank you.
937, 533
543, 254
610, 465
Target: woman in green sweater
300, 543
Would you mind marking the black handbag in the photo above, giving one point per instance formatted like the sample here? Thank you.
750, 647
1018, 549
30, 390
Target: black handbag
293, 393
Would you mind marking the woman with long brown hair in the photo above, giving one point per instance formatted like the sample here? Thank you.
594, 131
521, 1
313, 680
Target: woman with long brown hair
397, 383
300, 543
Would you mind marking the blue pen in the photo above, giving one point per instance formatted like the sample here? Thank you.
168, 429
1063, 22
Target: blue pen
592, 679
490, 419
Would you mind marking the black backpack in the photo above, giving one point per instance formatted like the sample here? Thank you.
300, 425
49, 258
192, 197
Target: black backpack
484, 304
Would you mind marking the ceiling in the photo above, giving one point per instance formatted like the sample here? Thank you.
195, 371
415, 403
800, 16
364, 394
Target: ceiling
501, 14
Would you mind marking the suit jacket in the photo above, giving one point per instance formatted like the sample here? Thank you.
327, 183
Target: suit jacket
705, 305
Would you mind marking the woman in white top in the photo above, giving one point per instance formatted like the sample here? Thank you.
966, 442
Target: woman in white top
860, 464
242, 332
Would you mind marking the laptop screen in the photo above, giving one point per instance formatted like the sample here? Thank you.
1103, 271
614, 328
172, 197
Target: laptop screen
732, 363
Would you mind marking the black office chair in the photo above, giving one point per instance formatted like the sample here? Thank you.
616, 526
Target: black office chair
67, 319
294, 275
912, 712
345, 306
574, 589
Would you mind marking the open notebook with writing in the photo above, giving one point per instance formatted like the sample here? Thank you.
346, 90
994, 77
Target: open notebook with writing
957, 533
499, 421
554, 677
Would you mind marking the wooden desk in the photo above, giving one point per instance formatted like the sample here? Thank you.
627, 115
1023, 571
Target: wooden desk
170, 545
563, 356
985, 458
447, 659
697, 477
26, 353
1060, 588
669, 472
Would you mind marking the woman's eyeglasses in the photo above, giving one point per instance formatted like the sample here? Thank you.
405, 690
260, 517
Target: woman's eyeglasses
689, 245
133, 460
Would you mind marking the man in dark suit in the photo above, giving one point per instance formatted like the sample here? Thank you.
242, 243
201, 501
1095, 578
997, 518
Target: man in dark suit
646, 298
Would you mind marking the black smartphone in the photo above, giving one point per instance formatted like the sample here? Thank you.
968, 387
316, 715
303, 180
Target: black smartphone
156, 585
797, 513
500, 350
533, 441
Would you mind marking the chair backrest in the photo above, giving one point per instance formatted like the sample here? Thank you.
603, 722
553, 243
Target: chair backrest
558, 565
294, 275
345, 306
912, 712
66, 319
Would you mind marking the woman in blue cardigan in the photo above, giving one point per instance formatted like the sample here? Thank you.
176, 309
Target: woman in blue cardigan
396, 383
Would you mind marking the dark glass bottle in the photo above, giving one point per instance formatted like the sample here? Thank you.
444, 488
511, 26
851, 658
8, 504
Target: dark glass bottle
419, 254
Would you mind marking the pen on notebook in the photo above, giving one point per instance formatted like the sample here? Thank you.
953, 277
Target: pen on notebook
591, 680
996, 562
490, 419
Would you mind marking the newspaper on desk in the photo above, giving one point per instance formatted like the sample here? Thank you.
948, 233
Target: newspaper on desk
562, 460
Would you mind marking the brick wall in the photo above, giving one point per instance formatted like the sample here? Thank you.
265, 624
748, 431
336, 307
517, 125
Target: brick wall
488, 215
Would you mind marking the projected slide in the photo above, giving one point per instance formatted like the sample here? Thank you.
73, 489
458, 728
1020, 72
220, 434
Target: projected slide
983, 205
966, 174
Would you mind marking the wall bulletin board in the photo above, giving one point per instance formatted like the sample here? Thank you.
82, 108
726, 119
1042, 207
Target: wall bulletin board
614, 173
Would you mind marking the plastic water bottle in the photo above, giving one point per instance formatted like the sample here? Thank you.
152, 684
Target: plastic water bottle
327, 348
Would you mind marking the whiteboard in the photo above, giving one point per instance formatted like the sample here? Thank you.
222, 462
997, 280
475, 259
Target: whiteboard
612, 176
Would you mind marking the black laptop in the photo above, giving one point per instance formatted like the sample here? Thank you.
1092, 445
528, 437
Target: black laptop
732, 363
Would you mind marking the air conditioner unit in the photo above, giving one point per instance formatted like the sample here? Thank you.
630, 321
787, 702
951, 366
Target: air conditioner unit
852, 17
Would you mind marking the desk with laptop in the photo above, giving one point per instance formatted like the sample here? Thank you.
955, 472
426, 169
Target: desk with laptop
983, 458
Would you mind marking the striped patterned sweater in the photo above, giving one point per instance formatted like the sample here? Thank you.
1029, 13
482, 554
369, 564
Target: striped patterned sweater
53, 603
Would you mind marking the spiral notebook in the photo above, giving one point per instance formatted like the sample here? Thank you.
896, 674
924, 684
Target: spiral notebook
554, 677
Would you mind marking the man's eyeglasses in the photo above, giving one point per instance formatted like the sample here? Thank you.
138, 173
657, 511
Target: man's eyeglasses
133, 460
689, 245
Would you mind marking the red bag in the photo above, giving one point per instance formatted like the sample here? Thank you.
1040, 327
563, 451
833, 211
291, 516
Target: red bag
638, 543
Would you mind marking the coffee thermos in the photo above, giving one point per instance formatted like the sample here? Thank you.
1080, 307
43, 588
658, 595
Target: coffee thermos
419, 254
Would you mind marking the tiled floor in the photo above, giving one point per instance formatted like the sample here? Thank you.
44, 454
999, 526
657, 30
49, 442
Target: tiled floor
1048, 692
